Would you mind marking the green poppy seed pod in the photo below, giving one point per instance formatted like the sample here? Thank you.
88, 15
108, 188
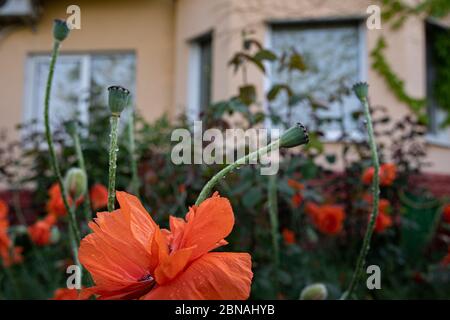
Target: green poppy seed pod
118, 99
75, 182
361, 90
60, 29
71, 127
294, 136
316, 291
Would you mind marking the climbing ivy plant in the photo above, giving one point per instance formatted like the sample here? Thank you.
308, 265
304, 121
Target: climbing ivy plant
396, 12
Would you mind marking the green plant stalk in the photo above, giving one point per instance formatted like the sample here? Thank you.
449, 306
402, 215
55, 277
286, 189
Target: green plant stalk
113, 149
206, 191
51, 148
74, 245
132, 148
376, 195
273, 214
81, 163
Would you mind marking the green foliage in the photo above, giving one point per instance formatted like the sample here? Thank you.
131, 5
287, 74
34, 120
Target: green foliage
397, 85
397, 12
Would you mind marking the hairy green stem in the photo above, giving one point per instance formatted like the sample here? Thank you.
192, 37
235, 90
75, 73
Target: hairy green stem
273, 214
74, 244
373, 216
51, 148
206, 191
81, 163
113, 149
134, 186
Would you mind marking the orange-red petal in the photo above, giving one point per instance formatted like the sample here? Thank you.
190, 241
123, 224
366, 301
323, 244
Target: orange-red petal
214, 276
206, 226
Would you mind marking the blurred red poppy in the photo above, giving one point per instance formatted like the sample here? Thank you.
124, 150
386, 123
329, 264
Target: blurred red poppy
99, 196
288, 236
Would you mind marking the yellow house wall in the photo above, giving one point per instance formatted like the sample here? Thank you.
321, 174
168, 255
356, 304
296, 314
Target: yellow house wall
142, 26
159, 31
406, 51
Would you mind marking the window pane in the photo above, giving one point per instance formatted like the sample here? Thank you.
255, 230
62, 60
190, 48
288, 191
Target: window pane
108, 70
205, 72
331, 53
436, 114
65, 95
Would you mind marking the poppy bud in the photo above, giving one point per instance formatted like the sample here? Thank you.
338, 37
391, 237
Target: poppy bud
118, 99
294, 136
55, 235
60, 30
75, 182
316, 291
361, 90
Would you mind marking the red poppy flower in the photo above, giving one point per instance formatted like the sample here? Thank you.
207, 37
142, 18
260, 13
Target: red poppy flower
3, 209
327, 219
383, 222
288, 236
9, 255
40, 233
446, 214
297, 186
55, 204
383, 204
65, 294
387, 174
296, 200
50, 219
130, 257
99, 196
182, 188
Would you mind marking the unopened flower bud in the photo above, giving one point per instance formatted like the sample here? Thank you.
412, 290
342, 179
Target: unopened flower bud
294, 136
316, 291
60, 29
118, 99
361, 90
55, 235
75, 182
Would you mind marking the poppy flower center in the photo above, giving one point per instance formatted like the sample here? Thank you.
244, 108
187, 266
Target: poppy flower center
147, 277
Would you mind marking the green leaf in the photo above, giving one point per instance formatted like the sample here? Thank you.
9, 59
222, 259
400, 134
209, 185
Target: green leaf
265, 54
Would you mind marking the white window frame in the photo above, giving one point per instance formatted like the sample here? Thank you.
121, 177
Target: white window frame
31, 65
331, 135
194, 107
85, 59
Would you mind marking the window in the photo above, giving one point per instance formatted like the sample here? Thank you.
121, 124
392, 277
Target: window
334, 53
79, 81
436, 116
200, 76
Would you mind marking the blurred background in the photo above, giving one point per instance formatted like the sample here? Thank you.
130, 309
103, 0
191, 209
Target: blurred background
233, 63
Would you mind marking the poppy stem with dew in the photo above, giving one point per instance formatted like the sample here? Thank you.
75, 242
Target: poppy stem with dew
118, 98
72, 129
273, 214
361, 91
113, 149
134, 185
207, 189
74, 245
60, 31
293, 137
